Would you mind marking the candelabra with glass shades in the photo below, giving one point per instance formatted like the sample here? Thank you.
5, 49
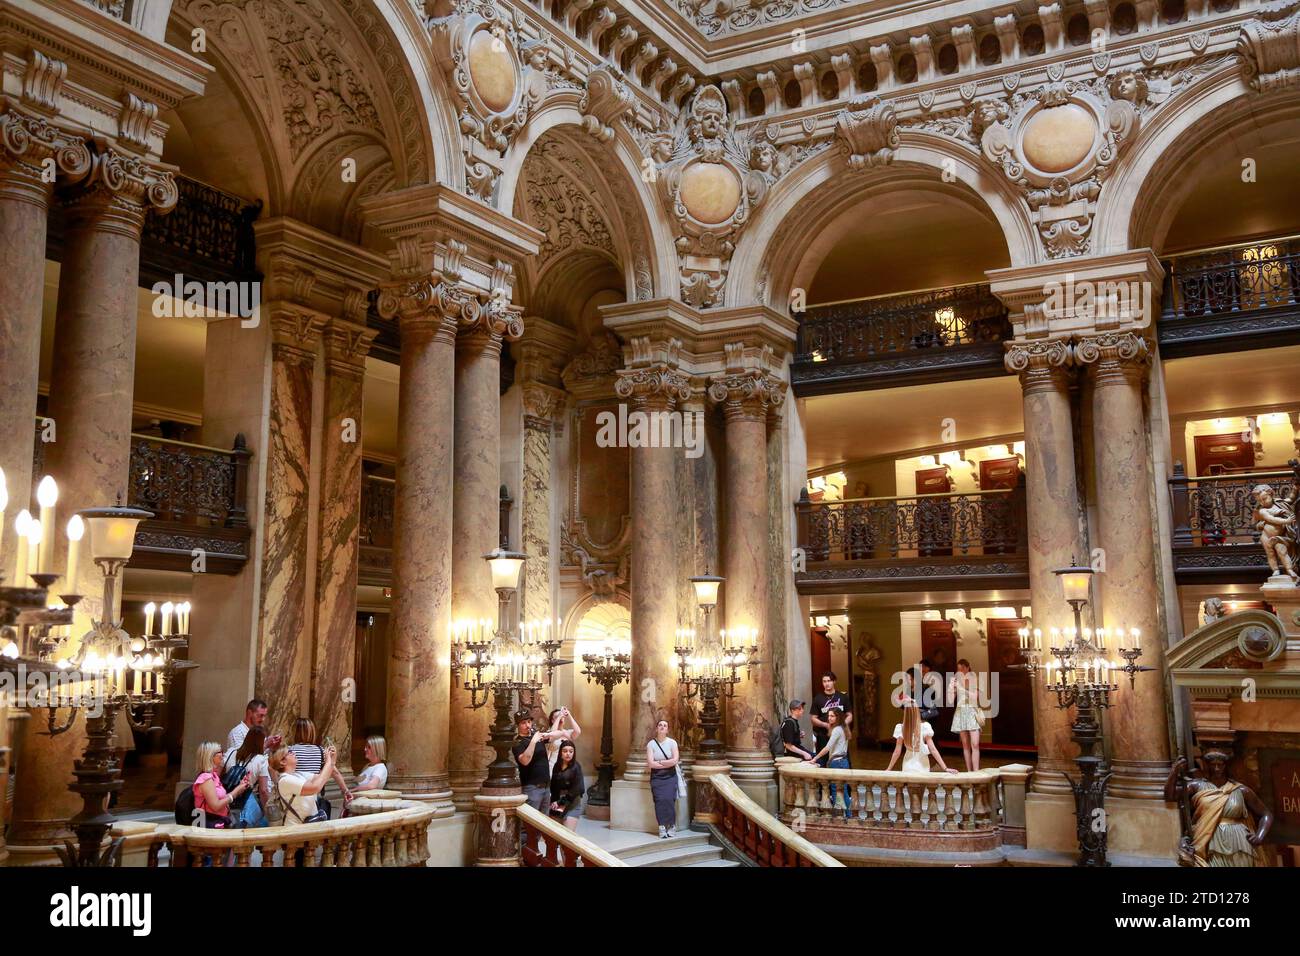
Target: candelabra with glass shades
502, 663
609, 668
1079, 673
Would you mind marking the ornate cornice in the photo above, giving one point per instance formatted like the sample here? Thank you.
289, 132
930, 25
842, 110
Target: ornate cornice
1269, 47
346, 346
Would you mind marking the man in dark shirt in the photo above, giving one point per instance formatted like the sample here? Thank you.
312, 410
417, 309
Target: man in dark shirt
534, 765
829, 699
791, 735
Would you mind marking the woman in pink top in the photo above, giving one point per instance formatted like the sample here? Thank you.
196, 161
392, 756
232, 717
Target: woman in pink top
210, 798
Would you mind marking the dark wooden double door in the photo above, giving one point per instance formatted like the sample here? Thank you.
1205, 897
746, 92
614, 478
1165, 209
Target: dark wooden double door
1014, 723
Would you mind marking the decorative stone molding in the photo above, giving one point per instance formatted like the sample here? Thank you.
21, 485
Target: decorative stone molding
43, 82
135, 121
607, 100
429, 305
592, 372
346, 346
653, 379
744, 390
28, 141
295, 333
867, 133
1269, 47
561, 205
113, 197
543, 405
1116, 355
1041, 363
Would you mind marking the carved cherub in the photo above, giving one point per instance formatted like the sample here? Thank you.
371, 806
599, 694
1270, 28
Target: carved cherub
1213, 609
1275, 522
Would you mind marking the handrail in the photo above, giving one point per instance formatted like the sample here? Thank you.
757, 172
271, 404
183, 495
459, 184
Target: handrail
1237, 476
929, 494
1247, 244
731, 794
578, 851
176, 442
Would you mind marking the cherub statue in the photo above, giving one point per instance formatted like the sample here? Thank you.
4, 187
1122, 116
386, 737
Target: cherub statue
1275, 522
1217, 814
1212, 609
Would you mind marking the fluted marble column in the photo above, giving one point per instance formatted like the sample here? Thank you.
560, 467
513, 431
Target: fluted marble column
1130, 589
419, 674
655, 388
27, 145
91, 387
476, 522
1054, 535
746, 398
346, 345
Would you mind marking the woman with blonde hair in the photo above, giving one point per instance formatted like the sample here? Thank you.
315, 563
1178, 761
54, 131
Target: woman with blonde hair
211, 800
374, 776
915, 737
297, 792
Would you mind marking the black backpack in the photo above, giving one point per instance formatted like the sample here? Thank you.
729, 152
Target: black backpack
185, 807
777, 742
232, 778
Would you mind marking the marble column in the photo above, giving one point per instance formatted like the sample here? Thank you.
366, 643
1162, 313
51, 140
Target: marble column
28, 146
543, 406
284, 646
746, 397
1054, 533
333, 678
1130, 587
419, 673
653, 389
476, 457
91, 387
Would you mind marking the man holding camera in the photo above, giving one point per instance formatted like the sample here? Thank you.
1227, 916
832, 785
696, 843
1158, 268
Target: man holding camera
530, 754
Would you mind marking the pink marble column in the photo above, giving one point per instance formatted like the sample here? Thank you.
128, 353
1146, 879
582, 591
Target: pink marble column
746, 398
1055, 540
284, 647
333, 679
27, 144
475, 510
419, 672
654, 388
91, 387
1130, 591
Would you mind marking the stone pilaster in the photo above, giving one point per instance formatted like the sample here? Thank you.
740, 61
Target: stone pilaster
346, 345
654, 386
91, 385
1130, 591
543, 407
746, 397
284, 646
1054, 535
32, 154
476, 458
419, 676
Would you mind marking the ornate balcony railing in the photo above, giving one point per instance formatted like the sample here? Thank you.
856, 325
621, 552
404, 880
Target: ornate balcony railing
900, 340
761, 838
1234, 297
919, 814
1214, 536
198, 495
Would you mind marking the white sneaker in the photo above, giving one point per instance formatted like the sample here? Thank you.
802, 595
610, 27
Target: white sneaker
663, 833
671, 833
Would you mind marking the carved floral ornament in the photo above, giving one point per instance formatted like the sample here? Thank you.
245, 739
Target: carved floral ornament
1037, 361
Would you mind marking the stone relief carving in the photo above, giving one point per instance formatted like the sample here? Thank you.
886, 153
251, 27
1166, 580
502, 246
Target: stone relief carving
1276, 524
867, 132
1269, 47
606, 101
559, 206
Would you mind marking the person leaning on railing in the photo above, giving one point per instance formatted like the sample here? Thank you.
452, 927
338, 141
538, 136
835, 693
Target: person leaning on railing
837, 750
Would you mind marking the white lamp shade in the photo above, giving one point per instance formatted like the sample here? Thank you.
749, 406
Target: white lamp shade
506, 566
1074, 582
112, 531
706, 589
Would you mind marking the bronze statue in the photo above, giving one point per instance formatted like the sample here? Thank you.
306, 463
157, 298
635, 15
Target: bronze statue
1217, 815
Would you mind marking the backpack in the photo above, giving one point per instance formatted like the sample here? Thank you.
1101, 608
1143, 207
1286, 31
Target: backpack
776, 742
232, 778
185, 807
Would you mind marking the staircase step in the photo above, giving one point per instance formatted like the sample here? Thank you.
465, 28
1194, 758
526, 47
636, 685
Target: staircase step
682, 841
718, 862
678, 857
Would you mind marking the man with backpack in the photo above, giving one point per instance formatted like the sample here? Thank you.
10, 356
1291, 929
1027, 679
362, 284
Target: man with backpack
791, 735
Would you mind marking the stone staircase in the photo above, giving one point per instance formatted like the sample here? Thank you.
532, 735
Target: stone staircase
687, 848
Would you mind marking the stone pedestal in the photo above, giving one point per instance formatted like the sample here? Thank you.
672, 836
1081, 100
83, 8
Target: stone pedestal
497, 829
1130, 592
1281, 592
1054, 539
706, 800
1138, 826
632, 808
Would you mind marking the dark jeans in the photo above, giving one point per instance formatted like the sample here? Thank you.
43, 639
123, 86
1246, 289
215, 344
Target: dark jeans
842, 763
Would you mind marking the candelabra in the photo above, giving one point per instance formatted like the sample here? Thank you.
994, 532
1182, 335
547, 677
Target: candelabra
1083, 680
502, 663
609, 668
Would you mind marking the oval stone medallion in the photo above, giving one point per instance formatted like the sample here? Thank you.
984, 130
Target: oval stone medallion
710, 192
492, 70
1059, 137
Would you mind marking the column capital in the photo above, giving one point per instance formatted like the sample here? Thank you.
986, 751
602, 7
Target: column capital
295, 332
496, 320
26, 142
1117, 356
543, 404
427, 305
1040, 363
118, 191
748, 395
346, 346
653, 378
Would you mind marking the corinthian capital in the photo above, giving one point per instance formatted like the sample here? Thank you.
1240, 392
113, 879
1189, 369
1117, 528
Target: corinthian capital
747, 396
428, 305
1115, 354
1040, 363
657, 386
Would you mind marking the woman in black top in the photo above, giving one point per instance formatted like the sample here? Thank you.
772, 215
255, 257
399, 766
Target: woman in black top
567, 786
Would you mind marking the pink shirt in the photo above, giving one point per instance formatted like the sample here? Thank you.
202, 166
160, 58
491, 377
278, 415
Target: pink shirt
198, 791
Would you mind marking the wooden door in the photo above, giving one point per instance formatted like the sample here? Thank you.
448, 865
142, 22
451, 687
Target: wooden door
939, 647
1014, 723
995, 512
1223, 454
821, 656
933, 515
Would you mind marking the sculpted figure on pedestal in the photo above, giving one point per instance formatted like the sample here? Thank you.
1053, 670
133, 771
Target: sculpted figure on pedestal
1224, 822
1275, 522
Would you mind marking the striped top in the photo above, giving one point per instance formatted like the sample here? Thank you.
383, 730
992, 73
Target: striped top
311, 759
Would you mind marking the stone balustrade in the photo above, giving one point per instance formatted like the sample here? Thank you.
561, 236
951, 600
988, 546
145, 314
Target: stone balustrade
381, 830
752, 831
893, 810
549, 843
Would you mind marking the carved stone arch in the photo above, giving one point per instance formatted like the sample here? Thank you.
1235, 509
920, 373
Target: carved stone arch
1142, 195
646, 254
784, 222
321, 195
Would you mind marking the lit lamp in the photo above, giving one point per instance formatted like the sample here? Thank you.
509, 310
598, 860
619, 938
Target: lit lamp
1075, 582
706, 591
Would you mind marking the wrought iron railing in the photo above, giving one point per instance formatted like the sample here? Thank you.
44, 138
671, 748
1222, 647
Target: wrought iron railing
866, 329
377, 511
1219, 510
192, 484
1242, 278
915, 526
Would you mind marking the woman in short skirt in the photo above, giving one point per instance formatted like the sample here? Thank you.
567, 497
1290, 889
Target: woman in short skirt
968, 721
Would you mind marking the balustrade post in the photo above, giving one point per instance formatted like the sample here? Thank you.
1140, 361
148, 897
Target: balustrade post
1180, 499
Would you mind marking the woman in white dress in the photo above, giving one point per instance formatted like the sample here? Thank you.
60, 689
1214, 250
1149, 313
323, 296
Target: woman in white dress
915, 737
968, 719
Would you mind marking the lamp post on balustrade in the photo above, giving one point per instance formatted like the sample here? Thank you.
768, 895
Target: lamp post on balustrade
607, 669
1083, 672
